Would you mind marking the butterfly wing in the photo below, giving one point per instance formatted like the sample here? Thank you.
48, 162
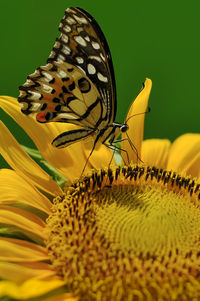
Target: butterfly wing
67, 138
61, 92
77, 84
82, 43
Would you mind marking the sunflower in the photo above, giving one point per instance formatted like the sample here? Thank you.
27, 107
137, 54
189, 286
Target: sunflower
129, 232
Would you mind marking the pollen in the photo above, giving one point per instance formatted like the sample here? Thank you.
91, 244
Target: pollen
130, 233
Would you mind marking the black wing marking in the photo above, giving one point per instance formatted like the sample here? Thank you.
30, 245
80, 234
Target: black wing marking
67, 138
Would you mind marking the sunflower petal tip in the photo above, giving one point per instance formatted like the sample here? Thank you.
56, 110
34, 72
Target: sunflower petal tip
148, 82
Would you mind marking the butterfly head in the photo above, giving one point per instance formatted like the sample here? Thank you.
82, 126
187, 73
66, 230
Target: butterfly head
124, 128
115, 131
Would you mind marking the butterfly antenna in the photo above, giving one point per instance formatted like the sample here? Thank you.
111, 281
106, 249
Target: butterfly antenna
146, 112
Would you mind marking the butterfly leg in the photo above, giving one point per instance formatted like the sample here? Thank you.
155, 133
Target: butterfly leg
70, 137
132, 147
95, 142
109, 146
114, 148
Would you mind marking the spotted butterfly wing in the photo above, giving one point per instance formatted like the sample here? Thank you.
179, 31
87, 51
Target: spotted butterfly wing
77, 84
83, 44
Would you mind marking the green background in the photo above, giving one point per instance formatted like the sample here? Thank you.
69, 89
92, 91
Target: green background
155, 39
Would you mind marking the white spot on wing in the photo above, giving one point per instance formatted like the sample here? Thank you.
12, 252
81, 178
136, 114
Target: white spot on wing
22, 93
95, 45
47, 75
52, 54
34, 95
80, 41
67, 28
36, 73
94, 57
102, 56
46, 88
80, 20
66, 50
23, 105
65, 115
64, 38
45, 79
28, 83
79, 29
61, 73
91, 69
87, 39
35, 106
46, 67
70, 21
57, 44
60, 58
102, 78
79, 60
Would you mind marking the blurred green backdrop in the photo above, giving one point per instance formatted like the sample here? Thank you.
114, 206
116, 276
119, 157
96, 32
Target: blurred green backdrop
156, 39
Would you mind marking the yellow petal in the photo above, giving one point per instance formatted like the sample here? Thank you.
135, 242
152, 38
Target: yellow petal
15, 189
155, 152
16, 250
136, 124
193, 167
29, 289
68, 161
22, 272
22, 219
17, 158
100, 157
184, 155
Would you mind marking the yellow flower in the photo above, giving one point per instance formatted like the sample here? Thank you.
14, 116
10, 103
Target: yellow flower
129, 233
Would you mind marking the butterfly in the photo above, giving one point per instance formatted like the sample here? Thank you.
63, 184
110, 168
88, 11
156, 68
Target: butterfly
77, 84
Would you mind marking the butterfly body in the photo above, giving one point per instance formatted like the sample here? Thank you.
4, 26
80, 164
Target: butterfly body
77, 84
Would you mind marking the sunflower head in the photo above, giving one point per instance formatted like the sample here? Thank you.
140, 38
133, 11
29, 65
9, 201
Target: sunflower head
127, 233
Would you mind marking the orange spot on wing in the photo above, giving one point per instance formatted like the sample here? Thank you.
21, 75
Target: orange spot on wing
40, 117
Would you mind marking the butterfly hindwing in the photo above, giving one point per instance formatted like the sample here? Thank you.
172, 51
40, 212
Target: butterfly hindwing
82, 43
61, 92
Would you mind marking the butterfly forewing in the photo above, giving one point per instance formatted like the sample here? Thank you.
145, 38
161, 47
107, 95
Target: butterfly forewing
83, 44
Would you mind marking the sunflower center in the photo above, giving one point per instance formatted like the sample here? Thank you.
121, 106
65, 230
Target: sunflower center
146, 220
127, 234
